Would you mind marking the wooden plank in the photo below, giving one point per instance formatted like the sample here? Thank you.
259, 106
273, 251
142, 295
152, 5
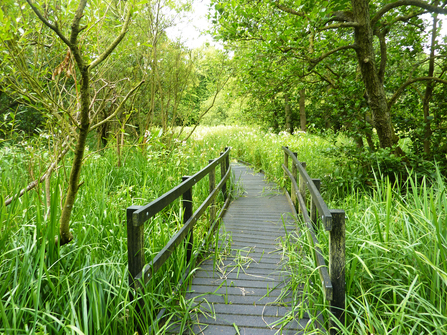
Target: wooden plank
337, 267
230, 330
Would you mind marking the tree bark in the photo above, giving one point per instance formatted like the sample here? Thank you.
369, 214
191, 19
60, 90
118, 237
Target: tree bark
363, 35
288, 114
303, 120
64, 228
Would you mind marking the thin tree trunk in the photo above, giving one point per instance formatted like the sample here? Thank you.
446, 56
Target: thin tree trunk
64, 229
288, 114
303, 120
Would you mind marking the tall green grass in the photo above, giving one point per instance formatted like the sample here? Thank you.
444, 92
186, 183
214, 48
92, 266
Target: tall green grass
396, 271
396, 240
82, 288
263, 149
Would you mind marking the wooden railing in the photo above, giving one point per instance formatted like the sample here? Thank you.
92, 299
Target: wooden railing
333, 281
141, 273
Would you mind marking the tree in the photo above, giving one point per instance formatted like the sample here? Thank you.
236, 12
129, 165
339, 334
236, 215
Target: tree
315, 31
74, 102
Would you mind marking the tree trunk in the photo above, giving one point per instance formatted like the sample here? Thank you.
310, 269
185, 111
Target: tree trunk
374, 87
303, 120
64, 229
429, 90
288, 114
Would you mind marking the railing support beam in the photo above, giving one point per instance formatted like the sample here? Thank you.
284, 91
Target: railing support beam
212, 186
313, 207
337, 263
302, 184
294, 174
187, 213
135, 251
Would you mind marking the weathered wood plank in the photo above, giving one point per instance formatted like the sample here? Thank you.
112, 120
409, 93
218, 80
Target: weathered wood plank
245, 289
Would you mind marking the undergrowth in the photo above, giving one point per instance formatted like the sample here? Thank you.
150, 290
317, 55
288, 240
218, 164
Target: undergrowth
396, 238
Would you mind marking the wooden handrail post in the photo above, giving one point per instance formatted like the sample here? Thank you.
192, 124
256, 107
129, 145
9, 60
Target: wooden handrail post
286, 164
187, 213
227, 160
135, 251
135, 259
337, 267
294, 174
212, 182
227, 166
302, 185
313, 207
223, 170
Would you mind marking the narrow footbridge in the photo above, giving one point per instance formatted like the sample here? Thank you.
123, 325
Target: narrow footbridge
241, 287
244, 292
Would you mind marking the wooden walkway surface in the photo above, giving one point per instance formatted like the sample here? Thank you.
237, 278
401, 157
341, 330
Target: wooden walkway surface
243, 293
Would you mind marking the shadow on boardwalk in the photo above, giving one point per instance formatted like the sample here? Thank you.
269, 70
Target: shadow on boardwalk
243, 292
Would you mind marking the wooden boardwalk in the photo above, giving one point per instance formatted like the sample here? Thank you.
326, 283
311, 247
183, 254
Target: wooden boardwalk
243, 293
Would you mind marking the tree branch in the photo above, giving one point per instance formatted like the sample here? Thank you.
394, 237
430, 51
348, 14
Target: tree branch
117, 110
341, 25
405, 18
400, 90
289, 10
315, 61
34, 183
55, 28
401, 3
117, 40
208, 109
326, 79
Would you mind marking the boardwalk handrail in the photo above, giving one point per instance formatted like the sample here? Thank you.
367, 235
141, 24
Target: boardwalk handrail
139, 272
333, 281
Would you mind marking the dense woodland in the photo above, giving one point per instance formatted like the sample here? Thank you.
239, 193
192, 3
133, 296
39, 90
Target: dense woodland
93, 93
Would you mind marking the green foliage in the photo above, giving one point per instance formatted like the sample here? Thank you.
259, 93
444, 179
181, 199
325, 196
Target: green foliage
283, 46
263, 149
396, 269
85, 289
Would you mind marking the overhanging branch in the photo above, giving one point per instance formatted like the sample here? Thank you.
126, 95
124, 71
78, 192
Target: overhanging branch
401, 3
117, 40
400, 90
315, 61
55, 28
341, 25
289, 10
